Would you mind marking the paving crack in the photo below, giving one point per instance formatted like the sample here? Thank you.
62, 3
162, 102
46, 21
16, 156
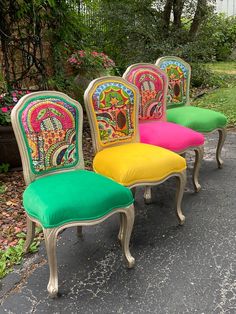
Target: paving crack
26, 274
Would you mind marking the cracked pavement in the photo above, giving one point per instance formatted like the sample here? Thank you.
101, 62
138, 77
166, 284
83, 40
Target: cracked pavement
188, 269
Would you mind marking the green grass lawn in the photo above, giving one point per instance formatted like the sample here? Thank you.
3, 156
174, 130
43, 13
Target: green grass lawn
224, 67
222, 99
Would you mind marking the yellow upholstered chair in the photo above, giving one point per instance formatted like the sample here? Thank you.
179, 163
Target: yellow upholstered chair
112, 107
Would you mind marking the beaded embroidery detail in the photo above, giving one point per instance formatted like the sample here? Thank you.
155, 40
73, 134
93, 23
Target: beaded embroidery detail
178, 76
113, 105
49, 127
151, 85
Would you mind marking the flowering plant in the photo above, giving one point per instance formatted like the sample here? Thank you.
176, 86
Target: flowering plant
91, 60
7, 102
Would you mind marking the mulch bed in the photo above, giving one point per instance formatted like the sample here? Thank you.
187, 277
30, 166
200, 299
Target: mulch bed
12, 214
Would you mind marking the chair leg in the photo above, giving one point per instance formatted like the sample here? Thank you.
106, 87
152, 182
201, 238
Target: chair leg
50, 236
127, 222
222, 137
121, 230
198, 159
148, 194
181, 179
30, 234
79, 231
133, 190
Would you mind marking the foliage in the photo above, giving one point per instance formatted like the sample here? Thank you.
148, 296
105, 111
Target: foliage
223, 35
2, 188
90, 60
223, 98
4, 168
7, 102
45, 33
14, 254
2, 82
142, 31
202, 76
35, 37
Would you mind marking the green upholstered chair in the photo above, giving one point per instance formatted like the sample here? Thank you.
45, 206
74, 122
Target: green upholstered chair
60, 193
112, 107
180, 112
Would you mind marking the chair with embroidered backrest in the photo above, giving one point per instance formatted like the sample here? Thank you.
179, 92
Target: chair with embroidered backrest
60, 193
178, 103
153, 127
112, 107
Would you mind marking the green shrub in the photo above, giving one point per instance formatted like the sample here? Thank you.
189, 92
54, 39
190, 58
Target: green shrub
203, 76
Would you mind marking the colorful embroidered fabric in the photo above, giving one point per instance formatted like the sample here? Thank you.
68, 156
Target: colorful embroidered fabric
113, 104
49, 126
151, 84
178, 75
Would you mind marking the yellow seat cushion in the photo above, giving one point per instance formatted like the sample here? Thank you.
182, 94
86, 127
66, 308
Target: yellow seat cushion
137, 163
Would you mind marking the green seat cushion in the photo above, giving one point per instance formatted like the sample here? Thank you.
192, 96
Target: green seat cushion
73, 196
198, 119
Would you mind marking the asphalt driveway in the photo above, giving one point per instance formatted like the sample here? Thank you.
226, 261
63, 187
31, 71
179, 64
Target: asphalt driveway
189, 269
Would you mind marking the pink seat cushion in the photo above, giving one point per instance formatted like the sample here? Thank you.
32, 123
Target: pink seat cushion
169, 135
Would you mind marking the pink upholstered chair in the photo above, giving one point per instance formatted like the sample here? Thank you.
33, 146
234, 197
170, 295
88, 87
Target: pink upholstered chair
154, 129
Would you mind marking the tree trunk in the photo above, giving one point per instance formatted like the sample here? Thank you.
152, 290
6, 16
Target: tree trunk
199, 14
178, 6
166, 15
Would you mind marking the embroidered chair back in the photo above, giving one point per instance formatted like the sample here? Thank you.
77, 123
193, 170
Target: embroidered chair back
179, 73
152, 84
48, 129
112, 107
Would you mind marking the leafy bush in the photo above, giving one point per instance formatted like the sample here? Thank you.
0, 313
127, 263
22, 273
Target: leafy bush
203, 76
217, 37
7, 102
90, 60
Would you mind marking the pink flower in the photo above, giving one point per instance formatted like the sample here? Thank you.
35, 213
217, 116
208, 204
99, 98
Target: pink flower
15, 99
94, 53
4, 109
19, 92
14, 94
81, 53
72, 60
27, 92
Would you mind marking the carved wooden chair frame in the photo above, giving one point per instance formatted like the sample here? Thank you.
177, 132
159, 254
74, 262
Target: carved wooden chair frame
221, 131
50, 234
180, 176
198, 150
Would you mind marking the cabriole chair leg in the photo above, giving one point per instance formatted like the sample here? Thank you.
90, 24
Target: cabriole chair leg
79, 232
121, 230
133, 190
148, 194
50, 236
30, 234
198, 159
127, 222
222, 137
181, 183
